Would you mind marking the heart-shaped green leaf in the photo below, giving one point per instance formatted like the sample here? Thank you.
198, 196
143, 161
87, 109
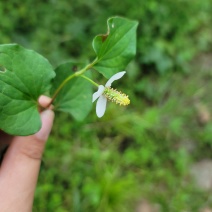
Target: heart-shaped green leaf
115, 49
24, 76
75, 97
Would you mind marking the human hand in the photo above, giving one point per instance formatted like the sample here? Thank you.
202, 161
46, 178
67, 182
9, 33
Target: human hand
20, 167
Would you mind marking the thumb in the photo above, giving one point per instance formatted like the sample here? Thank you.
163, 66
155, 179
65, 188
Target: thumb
32, 146
47, 117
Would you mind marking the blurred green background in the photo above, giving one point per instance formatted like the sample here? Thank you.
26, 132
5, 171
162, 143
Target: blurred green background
142, 155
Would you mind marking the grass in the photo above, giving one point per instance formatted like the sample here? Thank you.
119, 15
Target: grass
141, 152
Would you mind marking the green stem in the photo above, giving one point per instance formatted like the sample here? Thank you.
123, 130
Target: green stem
90, 80
76, 74
61, 86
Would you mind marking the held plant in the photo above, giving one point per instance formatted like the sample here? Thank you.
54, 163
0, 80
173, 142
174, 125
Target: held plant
25, 75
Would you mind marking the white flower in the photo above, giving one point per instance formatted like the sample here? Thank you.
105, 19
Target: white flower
105, 92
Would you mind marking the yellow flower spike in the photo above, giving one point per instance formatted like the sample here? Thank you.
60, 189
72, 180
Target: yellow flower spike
116, 96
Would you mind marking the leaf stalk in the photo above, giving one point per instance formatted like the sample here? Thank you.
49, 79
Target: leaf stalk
76, 74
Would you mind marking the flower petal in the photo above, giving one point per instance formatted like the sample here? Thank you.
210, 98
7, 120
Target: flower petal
115, 77
101, 106
97, 94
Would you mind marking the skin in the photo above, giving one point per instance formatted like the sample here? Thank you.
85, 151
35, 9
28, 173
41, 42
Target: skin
21, 163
